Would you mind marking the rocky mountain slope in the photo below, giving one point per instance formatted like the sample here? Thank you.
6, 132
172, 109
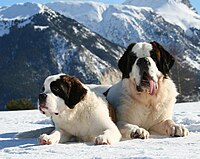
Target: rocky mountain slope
123, 24
47, 43
173, 23
36, 41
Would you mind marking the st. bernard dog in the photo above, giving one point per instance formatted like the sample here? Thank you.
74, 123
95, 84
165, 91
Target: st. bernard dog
75, 111
144, 99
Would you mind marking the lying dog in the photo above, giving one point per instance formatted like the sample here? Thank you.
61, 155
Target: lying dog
145, 97
75, 111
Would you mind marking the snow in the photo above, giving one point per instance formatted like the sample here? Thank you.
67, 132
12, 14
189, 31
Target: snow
154, 147
40, 27
24, 23
75, 29
80, 10
173, 11
92, 14
96, 65
100, 46
193, 63
4, 27
21, 11
61, 50
104, 19
140, 20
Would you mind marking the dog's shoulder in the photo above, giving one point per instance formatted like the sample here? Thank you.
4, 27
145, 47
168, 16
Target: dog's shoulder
113, 94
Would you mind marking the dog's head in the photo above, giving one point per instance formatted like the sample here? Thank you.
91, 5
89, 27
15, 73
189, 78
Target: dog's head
59, 92
144, 63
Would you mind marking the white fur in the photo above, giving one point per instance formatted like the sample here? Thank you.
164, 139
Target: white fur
48, 81
89, 120
142, 49
139, 113
142, 113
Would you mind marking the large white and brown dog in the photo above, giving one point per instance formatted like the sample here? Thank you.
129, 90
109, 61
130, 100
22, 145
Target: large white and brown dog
75, 111
144, 99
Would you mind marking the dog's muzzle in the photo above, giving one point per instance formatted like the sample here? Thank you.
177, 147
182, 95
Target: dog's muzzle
42, 103
146, 80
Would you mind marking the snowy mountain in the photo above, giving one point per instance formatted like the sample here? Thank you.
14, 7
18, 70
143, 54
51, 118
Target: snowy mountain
21, 11
36, 41
176, 12
47, 43
123, 24
153, 148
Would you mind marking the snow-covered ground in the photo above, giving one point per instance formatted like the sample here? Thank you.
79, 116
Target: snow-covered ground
155, 147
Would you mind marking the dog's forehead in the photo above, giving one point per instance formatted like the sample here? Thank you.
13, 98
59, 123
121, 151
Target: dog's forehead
142, 49
52, 78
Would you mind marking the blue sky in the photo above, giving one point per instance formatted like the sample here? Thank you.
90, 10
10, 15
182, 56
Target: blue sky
195, 3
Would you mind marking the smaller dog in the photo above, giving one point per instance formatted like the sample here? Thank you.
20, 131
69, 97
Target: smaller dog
75, 111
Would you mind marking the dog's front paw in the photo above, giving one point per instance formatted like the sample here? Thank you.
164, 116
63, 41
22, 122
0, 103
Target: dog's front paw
102, 140
178, 131
45, 139
139, 133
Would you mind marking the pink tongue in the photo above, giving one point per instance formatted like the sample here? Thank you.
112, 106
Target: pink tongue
152, 89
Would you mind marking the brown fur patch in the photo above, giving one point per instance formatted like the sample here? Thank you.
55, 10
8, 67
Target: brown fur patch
112, 113
156, 50
76, 90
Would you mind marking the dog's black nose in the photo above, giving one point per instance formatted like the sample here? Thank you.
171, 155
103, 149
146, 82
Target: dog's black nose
42, 97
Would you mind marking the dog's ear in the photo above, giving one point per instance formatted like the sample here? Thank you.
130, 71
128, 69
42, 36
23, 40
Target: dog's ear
76, 92
165, 60
126, 61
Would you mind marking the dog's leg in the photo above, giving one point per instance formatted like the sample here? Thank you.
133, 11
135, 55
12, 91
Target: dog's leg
111, 134
170, 128
130, 131
55, 137
65, 137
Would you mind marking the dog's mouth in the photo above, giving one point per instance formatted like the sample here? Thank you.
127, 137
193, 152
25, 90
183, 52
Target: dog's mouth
44, 109
147, 82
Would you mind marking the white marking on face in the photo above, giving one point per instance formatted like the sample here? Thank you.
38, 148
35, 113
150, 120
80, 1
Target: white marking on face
142, 49
135, 73
153, 70
50, 79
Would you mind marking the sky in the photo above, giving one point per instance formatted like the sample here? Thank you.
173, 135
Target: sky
195, 3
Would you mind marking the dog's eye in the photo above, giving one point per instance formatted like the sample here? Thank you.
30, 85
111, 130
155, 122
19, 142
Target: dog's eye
56, 90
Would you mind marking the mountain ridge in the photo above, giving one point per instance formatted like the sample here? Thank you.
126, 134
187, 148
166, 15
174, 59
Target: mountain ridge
177, 12
87, 45
138, 24
50, 43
